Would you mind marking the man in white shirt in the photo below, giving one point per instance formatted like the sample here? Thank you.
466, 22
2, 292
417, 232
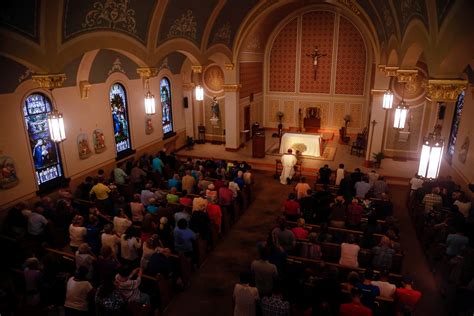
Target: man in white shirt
349, 252
120, 176
288, 162
245, 297
387, 289
416, 182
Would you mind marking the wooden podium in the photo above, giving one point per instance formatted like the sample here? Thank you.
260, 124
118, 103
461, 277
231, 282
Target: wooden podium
258, 144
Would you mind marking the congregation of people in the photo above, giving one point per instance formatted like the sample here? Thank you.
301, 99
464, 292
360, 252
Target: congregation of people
334, 251
152, 219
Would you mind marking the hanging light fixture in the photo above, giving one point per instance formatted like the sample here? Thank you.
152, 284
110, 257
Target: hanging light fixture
199, 93
56, 123
401, 113
149, 100
387, 100
431, 155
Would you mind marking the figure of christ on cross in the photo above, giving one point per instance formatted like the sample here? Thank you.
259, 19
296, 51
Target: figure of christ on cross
315, 55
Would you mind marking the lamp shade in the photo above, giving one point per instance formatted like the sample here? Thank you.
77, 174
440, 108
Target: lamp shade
401, 113
199, 92
387, 100
430, 159
149, 103
56, 126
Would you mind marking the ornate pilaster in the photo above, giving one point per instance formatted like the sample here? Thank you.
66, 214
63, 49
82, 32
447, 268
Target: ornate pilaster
84, 87
196, 69
231, 87
146, 73
188, 86
444, 90
50, 82
406, 75
389, 71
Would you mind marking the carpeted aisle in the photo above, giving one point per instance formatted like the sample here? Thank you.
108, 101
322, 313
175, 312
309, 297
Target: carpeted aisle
211, 288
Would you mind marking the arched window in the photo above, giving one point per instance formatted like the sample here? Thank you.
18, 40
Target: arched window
165, 95
118, 105
46, 157
455, 125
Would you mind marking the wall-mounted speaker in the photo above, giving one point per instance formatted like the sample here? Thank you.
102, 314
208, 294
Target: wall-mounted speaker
185, 102
441, 112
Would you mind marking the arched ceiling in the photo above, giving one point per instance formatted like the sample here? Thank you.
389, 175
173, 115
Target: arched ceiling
205, 23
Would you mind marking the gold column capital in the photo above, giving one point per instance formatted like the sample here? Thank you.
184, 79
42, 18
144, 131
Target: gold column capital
147, 72
229, 66
406, 75
444, 90
84, 88
49, 81
197, 69
377, 91
231, 87
188, 86
389, 71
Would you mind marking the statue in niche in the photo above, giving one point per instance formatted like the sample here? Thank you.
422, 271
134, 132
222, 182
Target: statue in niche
215, 112
315, 55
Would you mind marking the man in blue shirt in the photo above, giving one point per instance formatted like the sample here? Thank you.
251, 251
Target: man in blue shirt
183, 238
369, 291
157, 165
456, 243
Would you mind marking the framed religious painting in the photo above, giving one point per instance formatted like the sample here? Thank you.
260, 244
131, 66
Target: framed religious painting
148, 125
83, 146
8, 177
98, 139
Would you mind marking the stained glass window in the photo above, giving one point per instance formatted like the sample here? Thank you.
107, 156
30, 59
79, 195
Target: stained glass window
118, 105
455, 126
46, 158
165, 95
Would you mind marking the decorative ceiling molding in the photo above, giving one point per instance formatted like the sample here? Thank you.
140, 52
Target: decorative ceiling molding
50, 81
407, 75
351, 4
444, 90
147, 72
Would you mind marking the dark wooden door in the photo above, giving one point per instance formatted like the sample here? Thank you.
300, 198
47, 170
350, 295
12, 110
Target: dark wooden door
247, 122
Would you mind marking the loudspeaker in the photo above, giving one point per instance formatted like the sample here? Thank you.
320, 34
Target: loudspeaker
441, 112
185, 102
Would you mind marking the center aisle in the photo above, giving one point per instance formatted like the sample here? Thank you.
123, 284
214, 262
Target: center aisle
210, 292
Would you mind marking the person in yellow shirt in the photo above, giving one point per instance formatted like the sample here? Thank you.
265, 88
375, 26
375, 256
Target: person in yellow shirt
101, 193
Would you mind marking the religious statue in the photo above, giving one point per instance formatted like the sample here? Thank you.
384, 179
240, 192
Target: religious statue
148, 125
214, 111
99, 141
8, 177
315, 55
83, 146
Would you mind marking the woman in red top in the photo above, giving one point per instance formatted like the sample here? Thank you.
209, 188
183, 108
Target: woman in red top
291, 208
300, 232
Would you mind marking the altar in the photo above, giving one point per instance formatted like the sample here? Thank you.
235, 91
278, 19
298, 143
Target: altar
306, 144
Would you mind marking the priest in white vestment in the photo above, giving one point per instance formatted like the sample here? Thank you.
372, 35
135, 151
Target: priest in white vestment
288, 161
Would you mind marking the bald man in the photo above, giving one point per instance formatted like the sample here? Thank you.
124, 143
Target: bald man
288, 161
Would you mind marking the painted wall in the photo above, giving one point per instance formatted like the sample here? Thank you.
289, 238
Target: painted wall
82, 116
342, 74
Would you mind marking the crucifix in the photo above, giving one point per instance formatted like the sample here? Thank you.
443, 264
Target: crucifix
315, 55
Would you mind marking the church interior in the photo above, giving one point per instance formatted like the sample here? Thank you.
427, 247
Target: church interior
236, 157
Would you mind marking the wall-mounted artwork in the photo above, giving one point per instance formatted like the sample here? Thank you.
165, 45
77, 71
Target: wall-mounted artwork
148, 125
83, 146
464, 150
99, 141
8, 178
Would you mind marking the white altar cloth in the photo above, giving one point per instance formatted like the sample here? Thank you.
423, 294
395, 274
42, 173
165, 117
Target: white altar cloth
307, 144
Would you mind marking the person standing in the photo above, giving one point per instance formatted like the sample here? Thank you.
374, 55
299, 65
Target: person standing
288, 162
302, 188
245, 297
324, 174
340, 173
